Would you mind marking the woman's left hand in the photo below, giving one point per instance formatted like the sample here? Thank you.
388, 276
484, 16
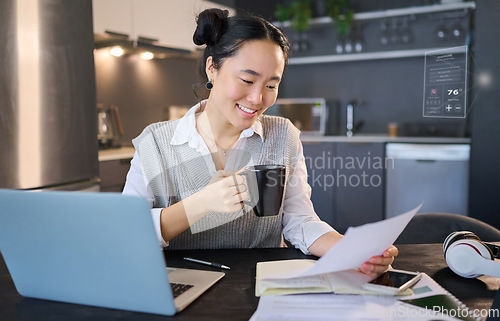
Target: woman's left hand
380, 263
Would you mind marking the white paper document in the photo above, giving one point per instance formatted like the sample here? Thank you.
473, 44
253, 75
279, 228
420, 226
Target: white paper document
335, 307
356, 247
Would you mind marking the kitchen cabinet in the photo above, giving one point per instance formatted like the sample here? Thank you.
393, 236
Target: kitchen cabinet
350, 176
112, 15
359, 198
347, 181
320, 177
113, 174
114, 165
171, 23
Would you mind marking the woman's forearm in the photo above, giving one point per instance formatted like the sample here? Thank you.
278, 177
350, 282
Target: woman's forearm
177, 218
324, 243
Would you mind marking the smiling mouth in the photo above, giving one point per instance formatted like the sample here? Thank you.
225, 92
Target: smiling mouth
246, 110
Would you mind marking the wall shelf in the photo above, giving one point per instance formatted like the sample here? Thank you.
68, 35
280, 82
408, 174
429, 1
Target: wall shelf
392, 13
362, 56
385, 54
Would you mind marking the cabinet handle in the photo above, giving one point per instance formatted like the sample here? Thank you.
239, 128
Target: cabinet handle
116, 34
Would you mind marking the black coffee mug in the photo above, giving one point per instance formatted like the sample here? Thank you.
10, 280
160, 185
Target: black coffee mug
266, 186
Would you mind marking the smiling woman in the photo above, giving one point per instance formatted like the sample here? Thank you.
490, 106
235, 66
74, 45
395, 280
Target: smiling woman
188, 169
243, 87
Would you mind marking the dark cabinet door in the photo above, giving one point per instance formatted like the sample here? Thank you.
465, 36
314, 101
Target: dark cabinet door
113, 174
359, 173
318, 157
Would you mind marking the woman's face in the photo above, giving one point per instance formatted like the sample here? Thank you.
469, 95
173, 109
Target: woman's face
247, 83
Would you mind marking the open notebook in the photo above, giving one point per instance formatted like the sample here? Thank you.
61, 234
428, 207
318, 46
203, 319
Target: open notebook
95, 249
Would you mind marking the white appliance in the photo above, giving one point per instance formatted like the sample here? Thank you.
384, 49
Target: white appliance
437, 174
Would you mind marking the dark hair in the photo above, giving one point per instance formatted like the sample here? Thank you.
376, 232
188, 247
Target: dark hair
224, 35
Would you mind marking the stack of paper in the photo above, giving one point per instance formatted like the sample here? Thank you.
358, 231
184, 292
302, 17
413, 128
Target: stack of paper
336, 272
339, 307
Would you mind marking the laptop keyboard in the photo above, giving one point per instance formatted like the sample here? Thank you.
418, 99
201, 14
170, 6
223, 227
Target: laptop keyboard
179, 288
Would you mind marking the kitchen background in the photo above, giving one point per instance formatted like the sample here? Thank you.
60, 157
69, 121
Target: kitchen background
384, 83
386, 90
383, 90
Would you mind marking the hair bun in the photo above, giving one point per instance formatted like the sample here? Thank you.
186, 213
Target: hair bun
212, 23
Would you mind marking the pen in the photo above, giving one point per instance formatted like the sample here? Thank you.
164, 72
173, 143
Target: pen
218, 265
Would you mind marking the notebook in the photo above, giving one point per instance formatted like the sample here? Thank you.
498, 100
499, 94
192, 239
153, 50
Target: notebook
96, 249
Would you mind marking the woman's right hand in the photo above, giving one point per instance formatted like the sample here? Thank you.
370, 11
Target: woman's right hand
225, 193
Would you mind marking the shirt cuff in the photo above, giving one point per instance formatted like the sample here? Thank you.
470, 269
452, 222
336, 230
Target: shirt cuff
156, 213
311, 231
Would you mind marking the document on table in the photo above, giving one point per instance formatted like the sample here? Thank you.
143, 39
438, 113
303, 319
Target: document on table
342, 282
356, 247
335, 307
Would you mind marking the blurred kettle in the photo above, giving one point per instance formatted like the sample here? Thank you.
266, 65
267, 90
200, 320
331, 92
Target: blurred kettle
109, 125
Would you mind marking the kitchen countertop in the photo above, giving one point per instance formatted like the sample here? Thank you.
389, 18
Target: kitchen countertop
128, 152
384, 139
116, 153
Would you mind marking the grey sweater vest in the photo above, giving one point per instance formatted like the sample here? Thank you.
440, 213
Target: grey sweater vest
174, 172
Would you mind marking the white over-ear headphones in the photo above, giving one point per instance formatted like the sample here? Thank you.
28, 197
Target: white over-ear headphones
469, 257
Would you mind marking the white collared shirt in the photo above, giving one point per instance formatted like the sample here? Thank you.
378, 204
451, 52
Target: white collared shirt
301, 225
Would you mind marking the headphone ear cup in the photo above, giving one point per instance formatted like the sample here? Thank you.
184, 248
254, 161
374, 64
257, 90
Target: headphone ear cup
455, 236
465, 257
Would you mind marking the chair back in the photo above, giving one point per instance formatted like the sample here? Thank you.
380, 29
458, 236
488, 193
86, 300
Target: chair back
435, 227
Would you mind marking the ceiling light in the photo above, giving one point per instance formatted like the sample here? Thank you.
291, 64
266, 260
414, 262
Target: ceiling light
116, 51
147, 55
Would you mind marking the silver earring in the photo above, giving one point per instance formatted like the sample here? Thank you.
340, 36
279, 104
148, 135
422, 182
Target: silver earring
209, 84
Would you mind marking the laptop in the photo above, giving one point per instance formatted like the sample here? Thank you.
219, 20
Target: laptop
96, 249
